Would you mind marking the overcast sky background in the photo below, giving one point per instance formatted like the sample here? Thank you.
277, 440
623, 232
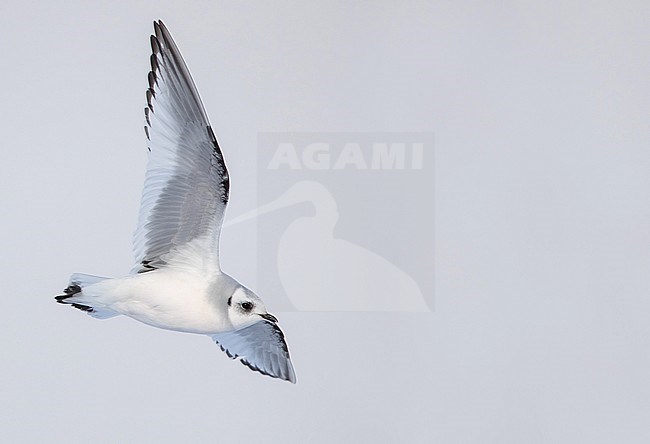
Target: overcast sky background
540, 112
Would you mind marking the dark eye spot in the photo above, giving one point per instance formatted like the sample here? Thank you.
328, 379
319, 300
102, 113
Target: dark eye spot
247, 306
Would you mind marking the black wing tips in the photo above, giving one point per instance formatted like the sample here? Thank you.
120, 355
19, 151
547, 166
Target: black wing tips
289, 375
152, 76
165, 45
270, 357
152, 79
281, 366
166, 56
158, 27
155, 46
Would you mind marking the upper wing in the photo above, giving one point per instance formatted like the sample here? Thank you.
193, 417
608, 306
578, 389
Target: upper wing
261, 347
186, 186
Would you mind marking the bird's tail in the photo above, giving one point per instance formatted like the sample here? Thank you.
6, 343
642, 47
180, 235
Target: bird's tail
73, 295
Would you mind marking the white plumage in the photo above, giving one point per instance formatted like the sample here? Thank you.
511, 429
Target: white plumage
176, 283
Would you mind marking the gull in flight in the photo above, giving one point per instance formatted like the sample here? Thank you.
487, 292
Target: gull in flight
177, 283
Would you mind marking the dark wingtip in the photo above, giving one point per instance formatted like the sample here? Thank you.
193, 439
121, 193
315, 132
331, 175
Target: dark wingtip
155, 45
152, 80
291, 377
153, 61
149, 95
160, 29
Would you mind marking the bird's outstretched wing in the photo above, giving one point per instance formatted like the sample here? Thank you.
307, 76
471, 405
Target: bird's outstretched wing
261, 347
186, 186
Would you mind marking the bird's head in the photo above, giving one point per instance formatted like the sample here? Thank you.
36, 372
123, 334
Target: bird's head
245, 307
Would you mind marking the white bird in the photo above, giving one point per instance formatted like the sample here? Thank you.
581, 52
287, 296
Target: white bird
177, 283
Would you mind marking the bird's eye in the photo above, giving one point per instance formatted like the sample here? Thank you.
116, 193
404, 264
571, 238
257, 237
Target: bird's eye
247, 306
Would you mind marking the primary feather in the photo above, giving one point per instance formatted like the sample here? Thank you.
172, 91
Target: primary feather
177, 283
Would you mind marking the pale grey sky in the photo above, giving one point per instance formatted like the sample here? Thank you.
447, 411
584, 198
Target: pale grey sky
540, 114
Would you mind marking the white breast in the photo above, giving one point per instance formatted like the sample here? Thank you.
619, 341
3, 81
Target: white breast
167, 298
